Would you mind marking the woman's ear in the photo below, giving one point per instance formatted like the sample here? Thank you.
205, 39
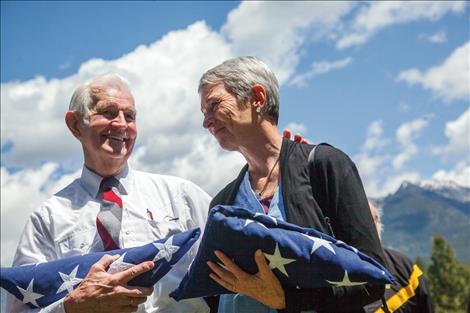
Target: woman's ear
259, 95
73, 119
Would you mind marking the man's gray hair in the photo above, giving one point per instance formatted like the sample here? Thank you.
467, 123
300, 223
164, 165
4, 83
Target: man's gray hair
378, 218
83, 98
239, 75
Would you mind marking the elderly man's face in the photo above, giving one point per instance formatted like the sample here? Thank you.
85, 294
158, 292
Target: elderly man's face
110, 135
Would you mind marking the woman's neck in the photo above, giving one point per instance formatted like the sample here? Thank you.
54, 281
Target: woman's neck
262, 152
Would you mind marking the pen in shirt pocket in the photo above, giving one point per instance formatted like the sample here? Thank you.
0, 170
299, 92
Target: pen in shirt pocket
149, 214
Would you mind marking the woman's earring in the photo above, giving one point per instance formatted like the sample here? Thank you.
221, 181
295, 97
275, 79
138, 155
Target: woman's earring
258, 110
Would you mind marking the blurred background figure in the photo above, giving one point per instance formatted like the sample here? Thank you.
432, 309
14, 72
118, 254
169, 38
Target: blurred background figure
410, 293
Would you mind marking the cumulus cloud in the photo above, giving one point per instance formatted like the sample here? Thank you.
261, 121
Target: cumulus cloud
449, 81
370, 160
297, 128
163, 77
459, 174
318, 68
458, 133
22, 191
274, 31
406, 135
377, 15
376, 167
439, 37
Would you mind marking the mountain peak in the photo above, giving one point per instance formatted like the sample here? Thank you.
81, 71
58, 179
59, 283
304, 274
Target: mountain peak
445, 188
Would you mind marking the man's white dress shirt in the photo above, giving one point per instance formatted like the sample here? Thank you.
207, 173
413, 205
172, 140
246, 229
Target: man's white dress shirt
154, 206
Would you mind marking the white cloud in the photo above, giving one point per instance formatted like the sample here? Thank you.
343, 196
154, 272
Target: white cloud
393, 182
377, 15
439, 37
449, 81
376, 167
458, 133
459, 174
374, 139
22, 191
297, 128
405, 135
275, 30
163, 77
319, 68
370, 161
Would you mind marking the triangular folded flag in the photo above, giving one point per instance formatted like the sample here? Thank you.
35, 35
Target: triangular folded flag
299, 257
41, 284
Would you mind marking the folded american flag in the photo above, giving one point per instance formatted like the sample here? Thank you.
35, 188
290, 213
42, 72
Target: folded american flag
41, 284
299, 257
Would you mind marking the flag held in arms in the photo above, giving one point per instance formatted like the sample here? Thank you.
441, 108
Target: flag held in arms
39, 285
299, 257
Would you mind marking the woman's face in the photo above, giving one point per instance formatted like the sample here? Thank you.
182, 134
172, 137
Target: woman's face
225, 119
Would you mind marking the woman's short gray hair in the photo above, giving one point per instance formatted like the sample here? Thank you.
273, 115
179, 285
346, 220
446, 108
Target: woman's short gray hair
83, 98
239, 75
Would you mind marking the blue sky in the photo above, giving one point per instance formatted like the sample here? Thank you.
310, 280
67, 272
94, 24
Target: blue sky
387, 82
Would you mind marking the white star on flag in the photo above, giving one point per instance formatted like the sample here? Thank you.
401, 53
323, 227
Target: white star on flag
119, 265
28, 295
277, 261
166, 250
318, 242
69, 281
346, 281
248, 222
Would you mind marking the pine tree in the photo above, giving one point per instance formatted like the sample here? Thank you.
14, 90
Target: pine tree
449, 280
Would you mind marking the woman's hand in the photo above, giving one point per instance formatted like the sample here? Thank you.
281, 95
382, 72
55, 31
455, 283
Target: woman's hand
262, 286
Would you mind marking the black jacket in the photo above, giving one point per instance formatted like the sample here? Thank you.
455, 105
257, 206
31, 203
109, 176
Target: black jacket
328, 189
410, 283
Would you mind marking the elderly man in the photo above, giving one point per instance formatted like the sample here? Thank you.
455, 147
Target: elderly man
111, 206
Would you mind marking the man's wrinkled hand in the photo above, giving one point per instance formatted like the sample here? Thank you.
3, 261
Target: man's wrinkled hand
103, 292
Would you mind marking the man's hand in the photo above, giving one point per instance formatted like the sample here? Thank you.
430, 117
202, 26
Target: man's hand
262, 286
297, 137
103, 292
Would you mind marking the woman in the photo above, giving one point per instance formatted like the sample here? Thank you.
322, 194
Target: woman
240, 103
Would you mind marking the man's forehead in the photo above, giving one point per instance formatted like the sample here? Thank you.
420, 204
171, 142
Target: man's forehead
113, 98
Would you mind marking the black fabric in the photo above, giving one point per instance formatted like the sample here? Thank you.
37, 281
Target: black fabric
401, 267
331, 185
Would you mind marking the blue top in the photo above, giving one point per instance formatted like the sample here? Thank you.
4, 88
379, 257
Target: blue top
246, 198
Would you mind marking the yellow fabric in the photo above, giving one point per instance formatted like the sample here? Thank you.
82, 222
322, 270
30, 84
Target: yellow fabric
398, 299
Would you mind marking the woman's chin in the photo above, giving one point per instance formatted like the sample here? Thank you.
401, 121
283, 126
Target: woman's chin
227, 145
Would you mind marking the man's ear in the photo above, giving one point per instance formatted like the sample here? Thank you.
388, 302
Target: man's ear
73, 119
259, 95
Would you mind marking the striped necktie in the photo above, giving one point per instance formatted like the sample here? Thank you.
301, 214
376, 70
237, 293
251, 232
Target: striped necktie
108, 220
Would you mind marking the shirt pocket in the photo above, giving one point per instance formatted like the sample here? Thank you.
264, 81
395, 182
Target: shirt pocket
166, 227
79, 242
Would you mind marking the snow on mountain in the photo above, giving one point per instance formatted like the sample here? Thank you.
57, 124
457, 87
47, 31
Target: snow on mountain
448, 189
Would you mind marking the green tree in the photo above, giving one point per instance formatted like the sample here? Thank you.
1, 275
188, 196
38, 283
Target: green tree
449, 280
421, 262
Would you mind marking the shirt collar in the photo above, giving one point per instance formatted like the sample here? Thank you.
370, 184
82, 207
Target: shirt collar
91, 181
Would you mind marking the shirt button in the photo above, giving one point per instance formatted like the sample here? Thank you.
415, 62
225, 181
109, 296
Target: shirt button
127, 232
